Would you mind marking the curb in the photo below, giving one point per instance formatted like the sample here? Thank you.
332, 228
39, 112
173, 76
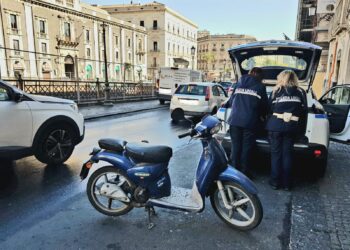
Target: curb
94, 117
94, 103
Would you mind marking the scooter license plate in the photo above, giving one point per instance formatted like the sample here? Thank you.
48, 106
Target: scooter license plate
85, 170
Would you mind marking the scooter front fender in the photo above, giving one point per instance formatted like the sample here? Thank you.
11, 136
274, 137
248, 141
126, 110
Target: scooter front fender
232, 174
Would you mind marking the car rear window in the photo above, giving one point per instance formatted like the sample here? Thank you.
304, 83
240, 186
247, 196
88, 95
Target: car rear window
191, 89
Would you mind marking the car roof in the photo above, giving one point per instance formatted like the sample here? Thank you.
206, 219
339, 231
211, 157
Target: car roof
199, 83
277, 43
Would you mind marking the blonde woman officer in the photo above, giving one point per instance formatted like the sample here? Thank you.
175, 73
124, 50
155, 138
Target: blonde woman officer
287, 105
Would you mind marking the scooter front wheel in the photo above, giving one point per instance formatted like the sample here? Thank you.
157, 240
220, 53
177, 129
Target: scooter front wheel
103, 179
246, 212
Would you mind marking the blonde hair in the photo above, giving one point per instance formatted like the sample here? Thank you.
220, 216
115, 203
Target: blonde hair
285, 79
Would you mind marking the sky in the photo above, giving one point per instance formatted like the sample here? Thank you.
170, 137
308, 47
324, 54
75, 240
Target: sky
264, 19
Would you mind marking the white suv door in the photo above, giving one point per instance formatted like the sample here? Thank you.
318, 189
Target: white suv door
15, 121
336, 103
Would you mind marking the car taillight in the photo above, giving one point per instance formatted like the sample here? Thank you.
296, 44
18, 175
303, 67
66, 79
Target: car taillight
317, 153
207, 94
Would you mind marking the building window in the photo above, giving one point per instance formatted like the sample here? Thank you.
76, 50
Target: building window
168, 46
44, 48
129, 57
168, 26
16, 46
154, 62
88, 52
140, 45
14, 24
155, 24
42, 27
142, 23
87, 36
129, 42
116, 41
70, 3
155, 46
67, 32
117, 55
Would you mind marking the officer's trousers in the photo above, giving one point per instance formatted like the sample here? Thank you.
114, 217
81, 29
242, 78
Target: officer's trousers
242, 145
281, 158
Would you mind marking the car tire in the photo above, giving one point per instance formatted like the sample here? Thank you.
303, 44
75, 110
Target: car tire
55, 144
321, 166
161, 101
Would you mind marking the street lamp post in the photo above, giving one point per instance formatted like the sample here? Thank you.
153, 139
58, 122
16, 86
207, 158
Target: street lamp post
193, 52
107, 88
223, 79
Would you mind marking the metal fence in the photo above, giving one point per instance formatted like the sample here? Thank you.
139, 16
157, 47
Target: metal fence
86, 91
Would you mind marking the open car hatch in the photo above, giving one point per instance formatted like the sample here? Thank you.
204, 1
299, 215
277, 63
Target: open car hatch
275, 56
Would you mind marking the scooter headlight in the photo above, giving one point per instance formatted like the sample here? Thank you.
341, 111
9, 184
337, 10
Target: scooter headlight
216, 129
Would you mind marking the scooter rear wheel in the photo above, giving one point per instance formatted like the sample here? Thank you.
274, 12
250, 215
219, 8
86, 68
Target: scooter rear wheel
104, 204
247, 212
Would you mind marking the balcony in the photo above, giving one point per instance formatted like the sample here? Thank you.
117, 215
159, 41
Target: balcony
154, 51
339, 21
42, 35
154, 65
140, 52
66, 41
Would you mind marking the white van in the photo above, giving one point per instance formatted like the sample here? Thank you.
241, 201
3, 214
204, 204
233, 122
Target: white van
170, 78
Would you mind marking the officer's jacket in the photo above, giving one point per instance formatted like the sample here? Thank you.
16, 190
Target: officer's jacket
287, 100
248, 102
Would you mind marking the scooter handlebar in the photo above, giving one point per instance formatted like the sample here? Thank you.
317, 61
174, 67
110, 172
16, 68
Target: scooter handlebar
185, 134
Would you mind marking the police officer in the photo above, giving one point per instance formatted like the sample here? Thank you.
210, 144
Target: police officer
287, 106
248, 102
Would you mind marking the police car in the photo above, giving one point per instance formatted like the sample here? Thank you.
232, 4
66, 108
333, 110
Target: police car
327, 118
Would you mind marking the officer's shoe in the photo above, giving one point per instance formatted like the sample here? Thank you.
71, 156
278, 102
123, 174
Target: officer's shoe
273, 185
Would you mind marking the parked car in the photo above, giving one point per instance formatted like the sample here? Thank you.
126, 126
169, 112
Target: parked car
44, 126
199, 98
274, 57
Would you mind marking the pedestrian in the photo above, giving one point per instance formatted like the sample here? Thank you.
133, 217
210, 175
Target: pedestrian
287, 109
248, 103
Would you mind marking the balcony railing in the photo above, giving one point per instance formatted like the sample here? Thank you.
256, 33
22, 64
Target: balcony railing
154, 50
67, 41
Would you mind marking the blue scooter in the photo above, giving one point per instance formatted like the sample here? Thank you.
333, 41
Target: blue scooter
138, 177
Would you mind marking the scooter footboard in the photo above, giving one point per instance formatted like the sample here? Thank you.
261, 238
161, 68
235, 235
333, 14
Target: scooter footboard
232, 174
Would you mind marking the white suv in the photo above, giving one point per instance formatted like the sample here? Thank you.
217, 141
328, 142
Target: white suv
46, 127
198, 98
326, 118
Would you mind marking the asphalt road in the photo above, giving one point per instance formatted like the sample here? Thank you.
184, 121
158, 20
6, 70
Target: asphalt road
46, 207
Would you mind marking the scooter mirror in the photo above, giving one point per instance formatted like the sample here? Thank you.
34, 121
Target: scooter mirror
178, 115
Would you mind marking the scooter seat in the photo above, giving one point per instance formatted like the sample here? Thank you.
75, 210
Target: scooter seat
149, 153
112, 144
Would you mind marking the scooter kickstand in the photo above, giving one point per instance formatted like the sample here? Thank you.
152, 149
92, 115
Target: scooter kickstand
150, 211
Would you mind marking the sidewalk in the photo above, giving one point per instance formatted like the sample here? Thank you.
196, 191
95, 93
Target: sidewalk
99, 111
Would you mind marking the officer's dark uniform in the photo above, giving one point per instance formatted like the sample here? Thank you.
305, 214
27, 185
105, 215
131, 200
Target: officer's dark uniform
248, 102
288, 107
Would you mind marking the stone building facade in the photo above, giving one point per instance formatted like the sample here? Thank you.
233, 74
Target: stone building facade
170, 35
338, 67
313, 23
63, 39
213, 58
